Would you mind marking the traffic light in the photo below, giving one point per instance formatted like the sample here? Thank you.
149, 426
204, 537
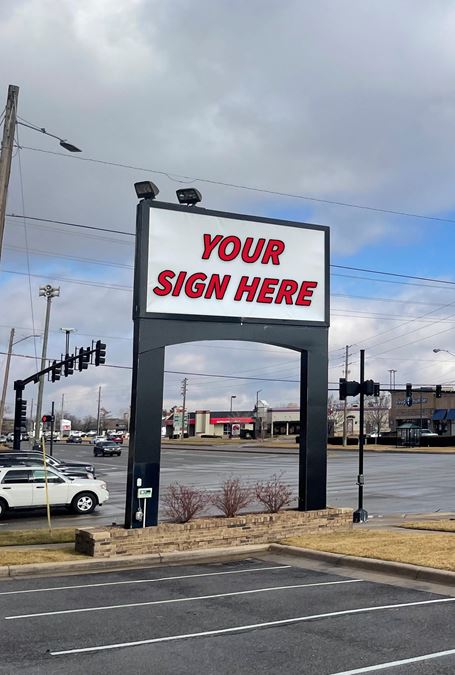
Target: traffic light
68, 366
56, 371
408, 394
438, 390
100, 353
348, 388
368, 387
23, 414
83, 358
377, 389
47, 420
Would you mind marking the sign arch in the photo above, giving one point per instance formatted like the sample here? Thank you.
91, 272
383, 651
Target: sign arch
154, 330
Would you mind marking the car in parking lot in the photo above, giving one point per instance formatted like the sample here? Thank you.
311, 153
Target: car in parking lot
77, 469
107, 449
427, 432
74, 439
117, 438
2, 438
23, 487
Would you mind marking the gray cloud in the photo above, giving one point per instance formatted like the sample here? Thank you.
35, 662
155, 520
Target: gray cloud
345, 101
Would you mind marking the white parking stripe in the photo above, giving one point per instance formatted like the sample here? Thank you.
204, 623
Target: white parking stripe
238, 629
191, 599
394, 664
147, 581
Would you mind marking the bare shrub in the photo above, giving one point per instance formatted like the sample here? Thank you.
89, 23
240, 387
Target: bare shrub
274, 494
182, 502
232, 497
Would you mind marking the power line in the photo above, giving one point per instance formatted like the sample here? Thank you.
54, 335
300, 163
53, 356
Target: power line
132, 234
178, 178
64, 222
175, 372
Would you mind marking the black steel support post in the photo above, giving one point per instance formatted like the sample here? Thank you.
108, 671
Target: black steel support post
313, 432
361, 516
19, 388
51, 442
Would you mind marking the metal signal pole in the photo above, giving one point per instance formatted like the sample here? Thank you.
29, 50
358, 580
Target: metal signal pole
361, 516
6, 152
345, 407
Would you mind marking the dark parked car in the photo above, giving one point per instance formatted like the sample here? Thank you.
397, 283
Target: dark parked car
107, 449
79, 469
74, 439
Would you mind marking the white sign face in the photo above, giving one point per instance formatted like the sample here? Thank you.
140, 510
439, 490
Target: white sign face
214, 266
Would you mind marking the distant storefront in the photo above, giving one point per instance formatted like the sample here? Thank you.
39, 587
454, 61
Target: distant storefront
426, 411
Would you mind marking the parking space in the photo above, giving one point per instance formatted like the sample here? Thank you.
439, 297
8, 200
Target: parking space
251, 616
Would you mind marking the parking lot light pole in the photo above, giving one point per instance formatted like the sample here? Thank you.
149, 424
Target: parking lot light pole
230, 431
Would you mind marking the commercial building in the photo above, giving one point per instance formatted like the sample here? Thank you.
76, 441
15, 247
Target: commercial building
425, 412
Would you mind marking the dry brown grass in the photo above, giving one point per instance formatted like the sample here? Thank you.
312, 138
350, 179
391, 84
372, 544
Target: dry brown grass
445, 525
427, 550
60, 535
38, 555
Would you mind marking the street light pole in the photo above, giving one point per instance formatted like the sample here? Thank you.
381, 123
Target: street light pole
48, 292
6, 152
257, 413
67, 332
6, 376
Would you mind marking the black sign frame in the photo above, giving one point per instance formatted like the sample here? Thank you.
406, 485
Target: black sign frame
154, 332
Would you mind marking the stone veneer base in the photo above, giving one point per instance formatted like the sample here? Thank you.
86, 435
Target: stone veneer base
204, 533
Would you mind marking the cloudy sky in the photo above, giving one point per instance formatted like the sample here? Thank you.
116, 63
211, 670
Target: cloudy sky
332, 103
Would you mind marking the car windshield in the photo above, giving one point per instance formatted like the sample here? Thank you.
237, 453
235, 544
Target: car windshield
109, 443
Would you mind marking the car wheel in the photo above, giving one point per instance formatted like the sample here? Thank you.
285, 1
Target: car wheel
3, 508
118, 454
84, 502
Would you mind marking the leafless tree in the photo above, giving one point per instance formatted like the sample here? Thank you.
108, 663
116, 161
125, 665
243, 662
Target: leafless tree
274, 494
232, 497
334, 415
183, 502
377, 415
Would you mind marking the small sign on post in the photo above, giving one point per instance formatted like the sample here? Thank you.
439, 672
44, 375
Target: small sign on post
144, 493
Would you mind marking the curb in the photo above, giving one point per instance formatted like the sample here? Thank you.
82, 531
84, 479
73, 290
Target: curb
406, 570
138, 561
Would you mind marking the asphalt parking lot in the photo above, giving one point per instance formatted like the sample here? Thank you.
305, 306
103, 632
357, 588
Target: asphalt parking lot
263, 615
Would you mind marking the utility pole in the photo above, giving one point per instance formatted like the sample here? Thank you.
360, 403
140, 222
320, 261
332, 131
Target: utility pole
6, 152
98, 415
183, 390
5, 378
345, 407
48, 292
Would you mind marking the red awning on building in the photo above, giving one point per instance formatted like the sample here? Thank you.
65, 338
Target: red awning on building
233, 420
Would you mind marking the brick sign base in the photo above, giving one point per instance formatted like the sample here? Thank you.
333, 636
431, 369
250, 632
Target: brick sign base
203, 533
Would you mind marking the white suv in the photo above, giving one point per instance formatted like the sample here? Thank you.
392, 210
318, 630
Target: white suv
23, 487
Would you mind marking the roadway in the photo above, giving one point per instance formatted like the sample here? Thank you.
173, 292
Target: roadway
395, 483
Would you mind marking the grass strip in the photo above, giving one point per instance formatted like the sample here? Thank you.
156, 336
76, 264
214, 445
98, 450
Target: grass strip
426, 550
446, 525
61, 535
38, 555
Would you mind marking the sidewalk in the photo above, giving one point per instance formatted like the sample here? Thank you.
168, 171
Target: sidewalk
288, 448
